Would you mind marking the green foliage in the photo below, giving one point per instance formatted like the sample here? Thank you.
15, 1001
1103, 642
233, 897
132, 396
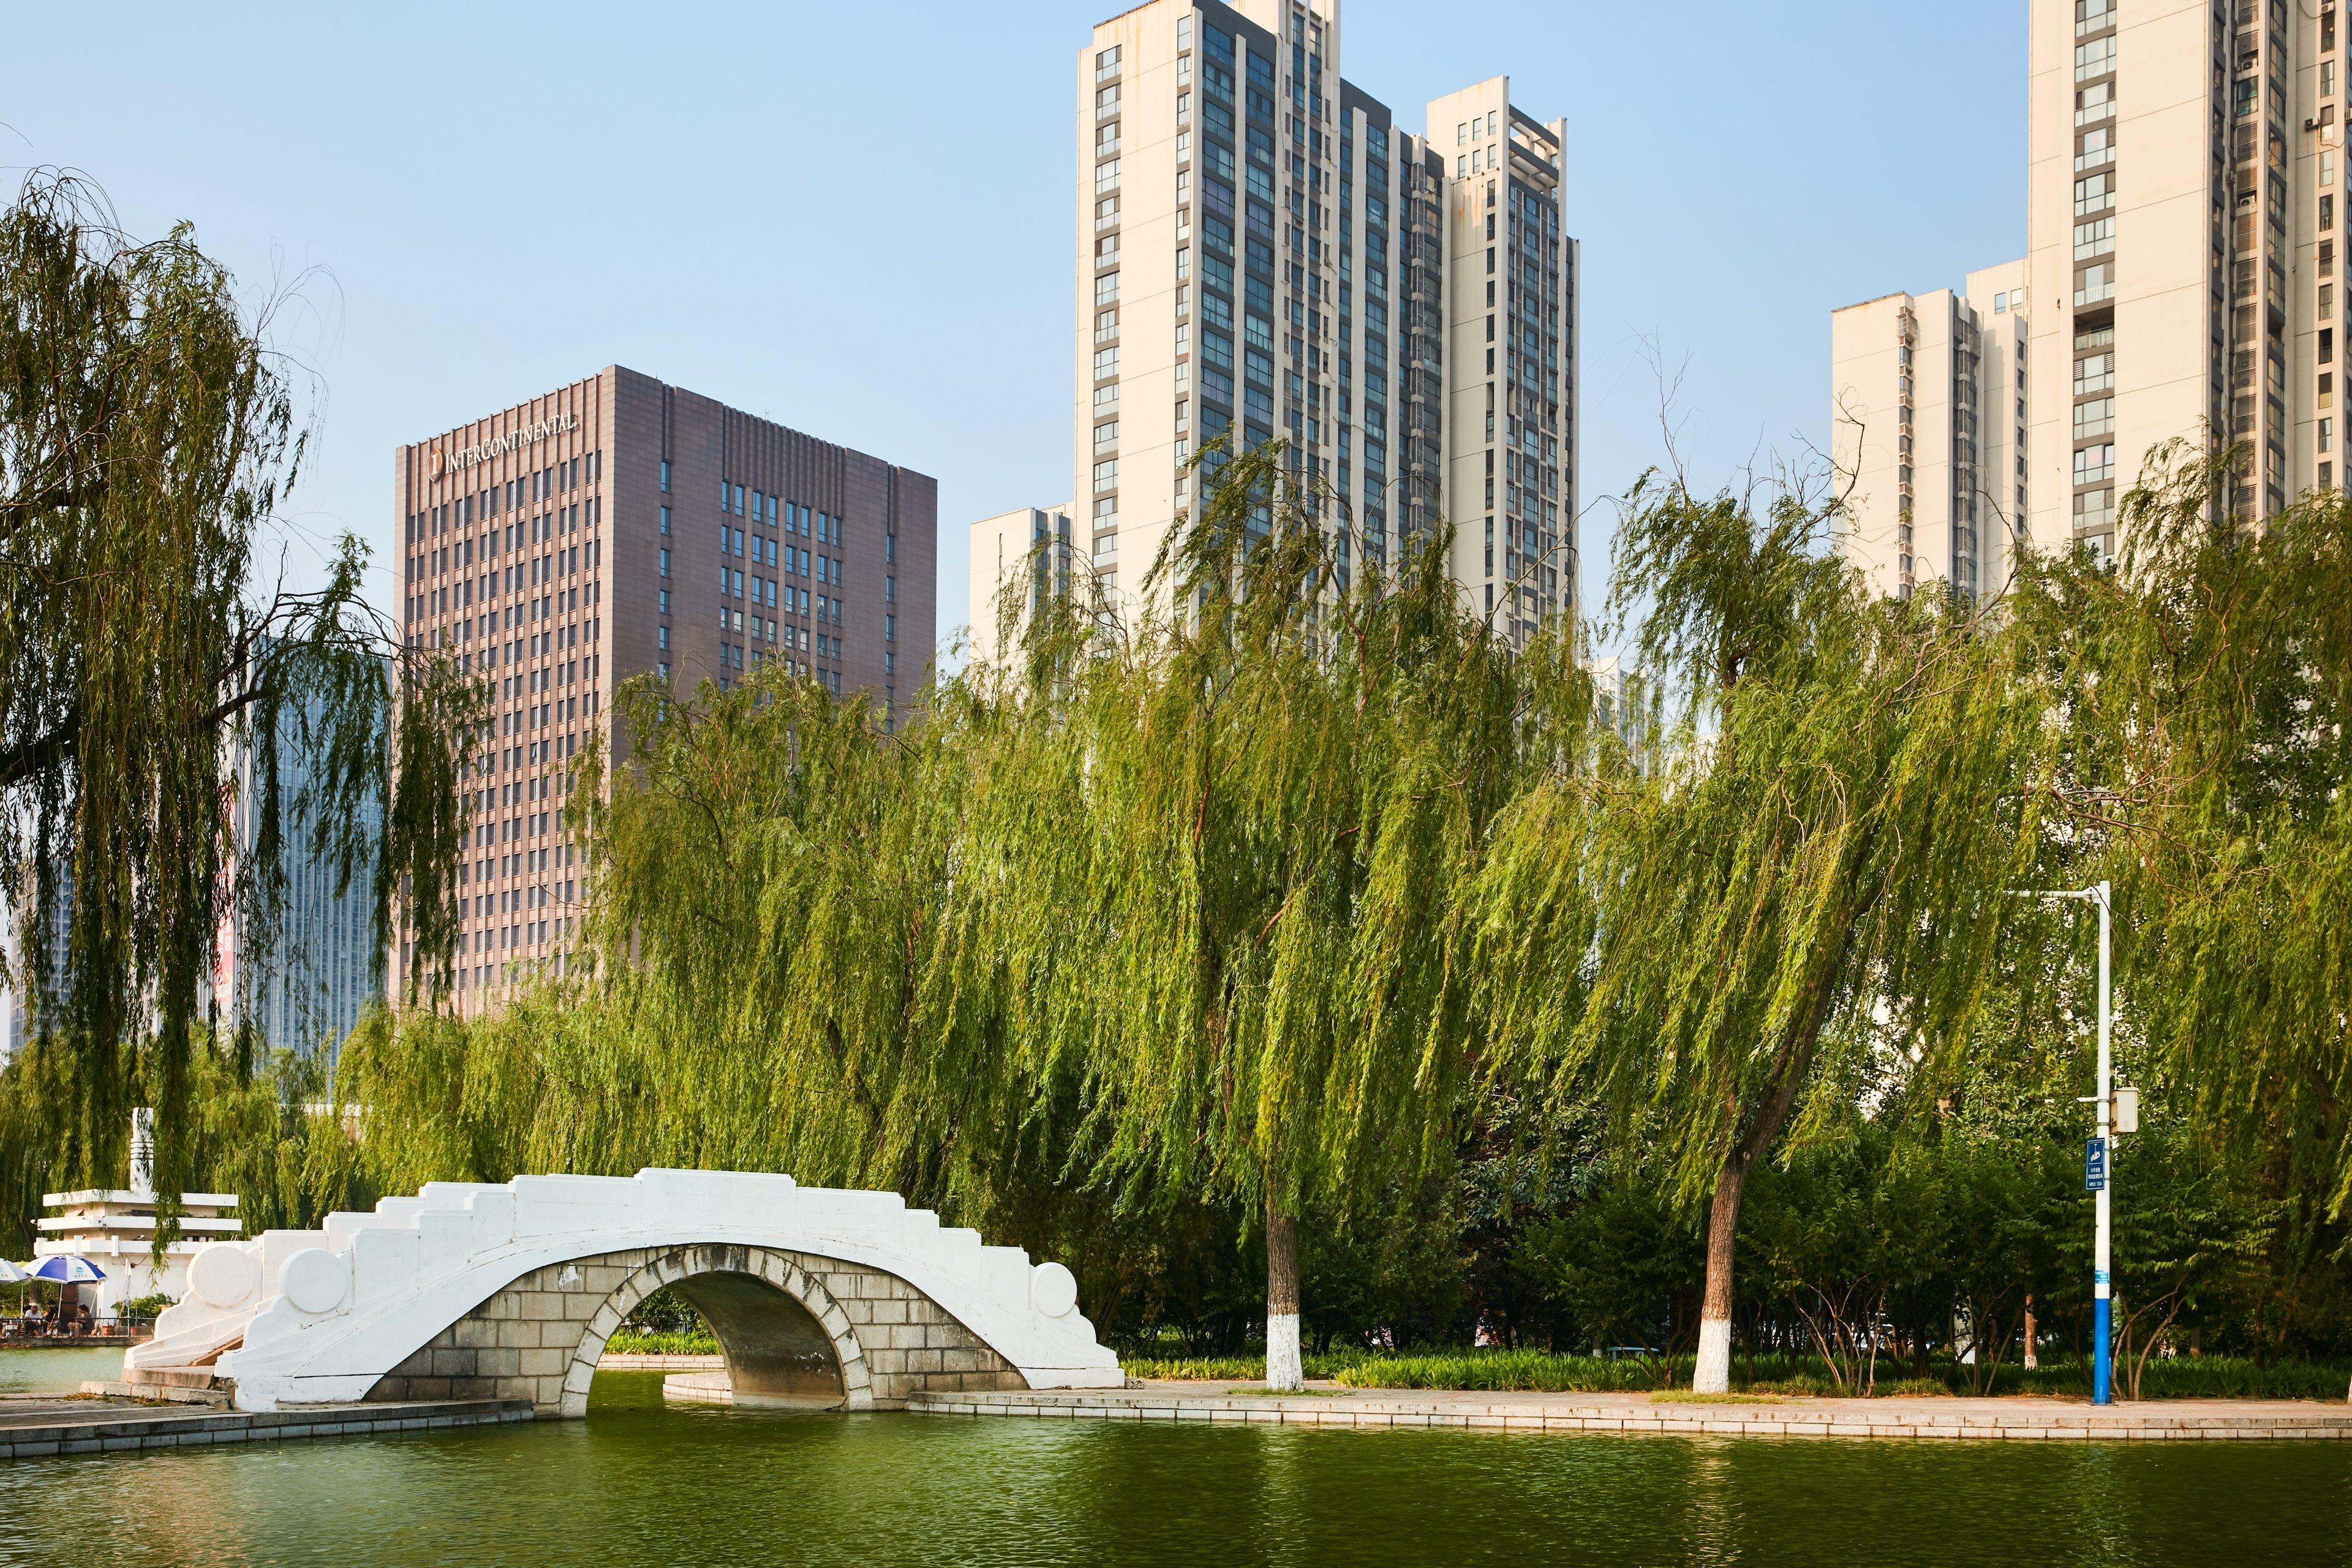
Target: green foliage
148, 432
661, 1341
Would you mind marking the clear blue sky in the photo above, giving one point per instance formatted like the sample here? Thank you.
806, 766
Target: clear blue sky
856, 218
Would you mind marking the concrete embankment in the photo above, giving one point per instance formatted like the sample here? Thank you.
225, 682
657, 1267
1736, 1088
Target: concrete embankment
2001, 1420
45, 1429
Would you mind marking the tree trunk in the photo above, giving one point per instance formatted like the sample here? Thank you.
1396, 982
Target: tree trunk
2031, 1360
1285, 1374
1714, 1374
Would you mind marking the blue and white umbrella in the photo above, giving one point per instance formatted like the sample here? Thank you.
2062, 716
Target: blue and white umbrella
64, 1268
11, 1275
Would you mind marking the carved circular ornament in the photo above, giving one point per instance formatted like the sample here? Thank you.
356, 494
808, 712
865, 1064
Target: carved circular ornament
224, 1275
314, 1280
1053, 1289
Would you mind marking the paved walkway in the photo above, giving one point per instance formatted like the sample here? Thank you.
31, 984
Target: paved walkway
1327, 1404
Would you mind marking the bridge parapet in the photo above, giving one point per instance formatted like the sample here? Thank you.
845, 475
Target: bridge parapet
323, 1316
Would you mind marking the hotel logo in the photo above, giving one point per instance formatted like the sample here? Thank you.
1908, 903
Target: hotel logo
482, 452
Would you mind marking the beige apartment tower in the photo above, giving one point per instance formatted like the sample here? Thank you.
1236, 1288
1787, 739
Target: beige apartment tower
2180, 278
1261, 247
1030, 545
619, 526
1927, 433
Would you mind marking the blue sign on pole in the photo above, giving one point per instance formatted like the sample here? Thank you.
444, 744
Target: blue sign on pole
2094, 1166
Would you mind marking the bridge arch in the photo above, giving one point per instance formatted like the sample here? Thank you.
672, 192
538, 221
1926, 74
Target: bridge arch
785, 1340
793, 1328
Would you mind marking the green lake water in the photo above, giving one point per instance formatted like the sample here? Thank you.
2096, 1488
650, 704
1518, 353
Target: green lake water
637, 1483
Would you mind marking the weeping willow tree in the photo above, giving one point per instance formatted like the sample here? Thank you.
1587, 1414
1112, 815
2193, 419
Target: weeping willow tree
1718, 931
1209, 868
2213, 746
767, 869
147, 434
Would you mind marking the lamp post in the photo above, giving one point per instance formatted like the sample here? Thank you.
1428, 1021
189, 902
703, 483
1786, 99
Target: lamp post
2103, 1361
2098, 1162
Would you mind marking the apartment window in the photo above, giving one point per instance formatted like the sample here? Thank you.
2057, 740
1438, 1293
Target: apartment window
2094, 194
665, 476
2095, 510
2094, 238
1107, 139
2327, 435
2094, 103
1106, 62
665, 562
1107, 176
664, 520
2094, 283
2095, 148
1107, 476
2094, 373
1106, 289
2094, 465
2096, 57
1106, 100
2095, 418
1105, 362
1106, 214
1106, 436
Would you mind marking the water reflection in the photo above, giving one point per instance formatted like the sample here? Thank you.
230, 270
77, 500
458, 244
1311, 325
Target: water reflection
638, 1483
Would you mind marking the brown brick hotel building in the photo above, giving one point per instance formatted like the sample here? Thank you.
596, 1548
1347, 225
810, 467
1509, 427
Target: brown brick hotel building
616, 526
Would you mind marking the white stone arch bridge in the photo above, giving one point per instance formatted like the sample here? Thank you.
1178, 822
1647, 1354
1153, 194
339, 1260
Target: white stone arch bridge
818, 1297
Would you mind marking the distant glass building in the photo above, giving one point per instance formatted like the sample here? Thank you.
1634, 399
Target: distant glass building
311, 987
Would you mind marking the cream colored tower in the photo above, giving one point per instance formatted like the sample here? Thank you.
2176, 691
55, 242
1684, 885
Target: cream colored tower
1510, 376
1027, 550
1260, 245
2181, 282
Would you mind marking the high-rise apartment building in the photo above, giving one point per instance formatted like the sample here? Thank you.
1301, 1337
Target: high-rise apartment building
1030, 543
1261, 246
2180, 275
619, 526
1927, 433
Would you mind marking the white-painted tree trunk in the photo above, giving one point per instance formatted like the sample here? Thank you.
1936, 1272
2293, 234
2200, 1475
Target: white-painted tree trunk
1285, 1374
1714, 1374
1285, 1371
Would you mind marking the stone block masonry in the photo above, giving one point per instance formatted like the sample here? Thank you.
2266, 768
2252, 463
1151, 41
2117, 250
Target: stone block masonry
793, 1328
